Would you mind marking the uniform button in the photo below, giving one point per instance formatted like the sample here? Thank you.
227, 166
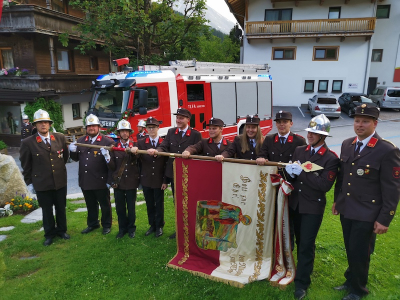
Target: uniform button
179, 146
351, 174
126, 170
87, 158
152, 173
126, 164
373, 201
85, 165
349, 183
348, 194
280, 154
153, 167
37, 154
273, 153
154, 161
301, 182
352, 164
126, 175
367, 166
51, 159
319, 199
299, 190
85, 171
52, 165
101, 177
53, 170
88, 153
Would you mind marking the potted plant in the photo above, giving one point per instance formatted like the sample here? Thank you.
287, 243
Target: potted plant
3, 148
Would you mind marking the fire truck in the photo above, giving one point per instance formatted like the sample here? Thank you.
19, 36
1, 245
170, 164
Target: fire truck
219, 90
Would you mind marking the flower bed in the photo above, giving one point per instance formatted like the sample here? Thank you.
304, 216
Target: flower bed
22, 204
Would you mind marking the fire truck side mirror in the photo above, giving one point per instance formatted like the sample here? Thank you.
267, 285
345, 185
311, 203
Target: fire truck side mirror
142, 110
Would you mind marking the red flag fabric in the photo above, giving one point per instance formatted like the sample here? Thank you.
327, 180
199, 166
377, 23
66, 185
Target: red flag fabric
1, 8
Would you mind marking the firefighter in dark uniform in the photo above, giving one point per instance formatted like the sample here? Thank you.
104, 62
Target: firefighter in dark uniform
246, 145
280, 146
307, 201
125, 180
26, 128
367, 192
94, 175
212, 146
176, 141
43, 158
152, 178
141, 130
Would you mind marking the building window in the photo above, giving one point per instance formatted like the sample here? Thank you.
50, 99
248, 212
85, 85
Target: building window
326, 53
60, 5
6, 58
309, 86
337, 86
94, 65
376, 54
334, 13
278, 14
284, 53
195, 92
323, 85
383, 12
76, 111
64, 60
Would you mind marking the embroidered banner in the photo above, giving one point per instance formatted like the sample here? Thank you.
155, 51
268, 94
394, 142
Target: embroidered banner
225, 217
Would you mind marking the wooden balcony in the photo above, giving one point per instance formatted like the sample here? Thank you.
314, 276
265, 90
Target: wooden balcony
311, 28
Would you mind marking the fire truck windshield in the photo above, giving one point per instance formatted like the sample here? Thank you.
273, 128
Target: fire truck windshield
110, 100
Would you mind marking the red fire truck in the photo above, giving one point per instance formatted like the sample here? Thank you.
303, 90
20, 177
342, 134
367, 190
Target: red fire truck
219, 90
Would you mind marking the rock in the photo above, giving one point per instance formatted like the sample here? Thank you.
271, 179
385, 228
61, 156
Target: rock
7, 228
2, 237
11, 180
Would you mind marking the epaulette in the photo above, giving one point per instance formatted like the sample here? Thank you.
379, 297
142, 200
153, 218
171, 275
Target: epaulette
334, 153
389, 142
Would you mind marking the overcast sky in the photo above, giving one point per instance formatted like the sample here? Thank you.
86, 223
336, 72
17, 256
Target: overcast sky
221, 7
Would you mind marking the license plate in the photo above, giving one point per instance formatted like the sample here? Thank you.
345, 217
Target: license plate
329, 109
107, 123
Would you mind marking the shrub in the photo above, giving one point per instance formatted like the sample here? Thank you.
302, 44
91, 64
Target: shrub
52, 107
3, 145
23, 202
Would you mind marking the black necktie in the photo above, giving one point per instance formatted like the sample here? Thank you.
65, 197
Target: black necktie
154, 144
48, 143
282, 138
359, 144
251, 145
312, 152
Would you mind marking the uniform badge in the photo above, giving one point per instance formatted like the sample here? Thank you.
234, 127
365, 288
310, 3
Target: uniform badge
52, 138
366, 171
313, 124
60, 153
95, 153
360, 172
392, 212
396, 172
364, 105
331, 176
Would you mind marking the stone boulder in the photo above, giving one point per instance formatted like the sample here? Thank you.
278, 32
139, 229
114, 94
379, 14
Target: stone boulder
11, 180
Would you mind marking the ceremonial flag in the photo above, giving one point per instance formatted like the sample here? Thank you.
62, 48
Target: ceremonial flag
1, 8
225, 214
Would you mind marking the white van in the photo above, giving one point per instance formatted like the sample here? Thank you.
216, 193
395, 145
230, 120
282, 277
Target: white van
386, 96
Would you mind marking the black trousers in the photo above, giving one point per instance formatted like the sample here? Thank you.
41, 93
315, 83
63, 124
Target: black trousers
93, 199
125, 207
58, 199
358, 239
306, 227
155, 206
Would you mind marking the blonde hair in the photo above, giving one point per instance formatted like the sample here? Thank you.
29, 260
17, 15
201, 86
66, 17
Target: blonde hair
244, 144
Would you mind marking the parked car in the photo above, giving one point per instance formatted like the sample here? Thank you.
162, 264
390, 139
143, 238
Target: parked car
349, 102
386, 96
324, 104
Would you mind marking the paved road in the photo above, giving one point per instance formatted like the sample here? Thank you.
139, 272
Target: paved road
342, 128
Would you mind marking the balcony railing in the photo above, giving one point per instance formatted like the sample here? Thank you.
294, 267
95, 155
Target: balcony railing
311, 28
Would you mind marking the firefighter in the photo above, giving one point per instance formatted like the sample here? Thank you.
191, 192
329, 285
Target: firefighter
152, 178
367, 193
94, 175
246, 145
43, 157
26, 128
280, 146
125, 180
141, 127
307, 200
212, 146
177, 139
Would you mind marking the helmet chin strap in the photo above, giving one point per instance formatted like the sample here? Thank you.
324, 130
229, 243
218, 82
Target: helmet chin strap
320, 138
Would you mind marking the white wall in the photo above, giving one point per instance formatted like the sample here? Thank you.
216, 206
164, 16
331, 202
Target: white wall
387, 37
67, 115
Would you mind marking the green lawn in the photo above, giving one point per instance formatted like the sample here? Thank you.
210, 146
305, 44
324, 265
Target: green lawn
94, 266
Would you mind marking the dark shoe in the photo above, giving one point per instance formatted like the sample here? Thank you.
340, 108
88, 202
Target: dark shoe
64, 236
150, 231
172, 236
106, 230
48, 242
89, 229
299, 294
120, 235
351, 296
132, 234
159, 232
342, 287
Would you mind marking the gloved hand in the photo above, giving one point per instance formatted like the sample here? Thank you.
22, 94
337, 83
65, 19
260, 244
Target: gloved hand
106, 154
31, 189
289, 170
296, 169
72, 147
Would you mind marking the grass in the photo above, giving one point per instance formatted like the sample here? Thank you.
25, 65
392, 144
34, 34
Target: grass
94, 266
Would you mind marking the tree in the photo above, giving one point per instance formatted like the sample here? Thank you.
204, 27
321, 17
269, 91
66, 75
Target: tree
53, 108
150, 28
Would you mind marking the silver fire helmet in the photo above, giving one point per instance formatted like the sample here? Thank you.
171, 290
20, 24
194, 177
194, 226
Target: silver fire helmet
41, 115
319, 124
142, 123
123, 124
25, 117
92, 120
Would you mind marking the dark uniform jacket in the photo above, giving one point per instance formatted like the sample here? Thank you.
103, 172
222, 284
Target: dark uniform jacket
44, 167
130, 175
175, 143
368, 186
310, 187
235, 148
207, 147
93, 170
273, 150
141, 135
153, 168
26, 130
